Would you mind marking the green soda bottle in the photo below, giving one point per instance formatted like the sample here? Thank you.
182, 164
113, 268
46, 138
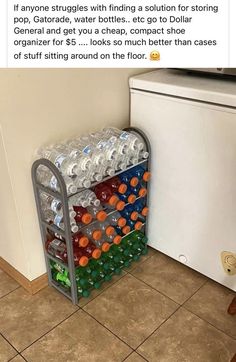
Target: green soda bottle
63, 278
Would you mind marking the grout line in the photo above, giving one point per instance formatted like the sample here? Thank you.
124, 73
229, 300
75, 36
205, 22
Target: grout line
220, 330
157, 328
127, 356
43, 335
3, 296
108, 329
194, 292
142, 356
156, 290
9, 343
108, 287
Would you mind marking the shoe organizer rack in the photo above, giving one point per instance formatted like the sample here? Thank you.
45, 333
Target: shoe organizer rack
76, 280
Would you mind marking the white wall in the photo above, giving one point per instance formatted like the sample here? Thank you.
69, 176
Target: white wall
38, 107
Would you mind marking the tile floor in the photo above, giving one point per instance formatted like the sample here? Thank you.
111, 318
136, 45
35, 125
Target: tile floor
158, 310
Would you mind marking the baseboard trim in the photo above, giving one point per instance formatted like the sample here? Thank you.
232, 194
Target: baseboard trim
32, 286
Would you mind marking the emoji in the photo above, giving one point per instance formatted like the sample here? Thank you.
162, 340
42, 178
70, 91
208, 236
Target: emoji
155, 55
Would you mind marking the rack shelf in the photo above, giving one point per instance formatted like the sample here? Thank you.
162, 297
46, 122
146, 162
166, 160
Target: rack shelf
72, 291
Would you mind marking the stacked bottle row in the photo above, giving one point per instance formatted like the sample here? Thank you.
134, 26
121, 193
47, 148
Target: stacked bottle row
119, 206
88, 159
102, 269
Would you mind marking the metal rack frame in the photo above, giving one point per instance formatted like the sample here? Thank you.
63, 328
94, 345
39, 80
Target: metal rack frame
66, 233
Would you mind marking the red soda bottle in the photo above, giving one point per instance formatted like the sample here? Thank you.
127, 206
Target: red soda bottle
105, 195
116, 185
91, 251
79, 240
82, 215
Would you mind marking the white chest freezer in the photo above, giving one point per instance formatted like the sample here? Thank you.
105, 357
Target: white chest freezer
191, 125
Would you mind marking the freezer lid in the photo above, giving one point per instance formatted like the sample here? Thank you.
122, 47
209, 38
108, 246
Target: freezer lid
186, 85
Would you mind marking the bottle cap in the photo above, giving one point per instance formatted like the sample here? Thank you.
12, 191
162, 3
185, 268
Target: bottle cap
126, 229
96, 253
110, 230
134, 215
120, 205
122, 188
131, 198
83, 261
145, 211
121, 222
117, 239
134, 181
142, 192
146, 176
138, 225
86, 293
105, 247
83, 241
113, 200
86, 218
97, 234
101, 215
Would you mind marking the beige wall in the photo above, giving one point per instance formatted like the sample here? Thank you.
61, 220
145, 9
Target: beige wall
38, 107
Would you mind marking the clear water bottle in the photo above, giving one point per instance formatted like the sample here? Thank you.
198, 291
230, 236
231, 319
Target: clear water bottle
47, 179
61, 160
59, 222
49, 202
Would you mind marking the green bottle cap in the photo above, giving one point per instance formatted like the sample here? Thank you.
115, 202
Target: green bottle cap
145, 251
97, 285
136, 257
108, 277
82, 282
117, 271
86, 293
127, 263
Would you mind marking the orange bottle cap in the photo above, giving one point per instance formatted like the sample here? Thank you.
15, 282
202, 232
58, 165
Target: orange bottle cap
87, 218
117, 239
101, 215
145, 211
146, 176
138, 225
83, 242
96, 254
142, 192
131, 198
134, 215
121, 222
126, 229
134, 181
113, 200
120, 205
105, 247
97, 234
83, 261
122, 188
110, 230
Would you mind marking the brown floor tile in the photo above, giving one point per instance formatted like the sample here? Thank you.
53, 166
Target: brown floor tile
96, 292
134, 357
6, 350
17, 359
211, 303
187, 338
170, 277
131, 309
24, 318
79, 338
7, 284
135, 264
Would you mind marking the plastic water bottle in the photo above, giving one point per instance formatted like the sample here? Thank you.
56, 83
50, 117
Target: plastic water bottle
60, 159
59, 222
97, 212
84, 199
49, 202
116, 219
47, 179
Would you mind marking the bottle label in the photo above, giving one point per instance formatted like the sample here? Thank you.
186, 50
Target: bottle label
101, 145
53, 183
59, 160
57, 220
55, 205
87, 150
56, 242
124, 136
